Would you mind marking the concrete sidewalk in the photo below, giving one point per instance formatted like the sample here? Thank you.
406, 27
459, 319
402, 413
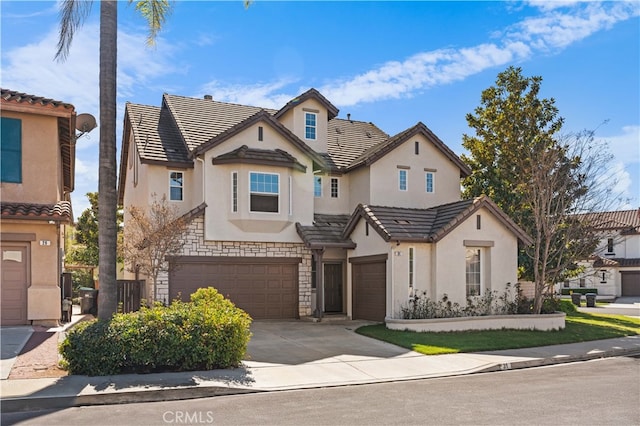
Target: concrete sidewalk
255, 376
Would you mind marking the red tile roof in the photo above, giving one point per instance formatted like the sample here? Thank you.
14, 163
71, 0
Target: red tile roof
61, 211
18, 97
614, 220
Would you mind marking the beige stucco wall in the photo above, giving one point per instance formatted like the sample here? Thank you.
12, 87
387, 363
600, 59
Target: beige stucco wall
499, 263
294, 120
384, 177
296, 186
43, 292
328, 205
41, 162
359, 188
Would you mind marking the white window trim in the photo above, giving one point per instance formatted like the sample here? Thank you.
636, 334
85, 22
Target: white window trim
234, 192
315, 126
249, 192
406, 180
314, 187
412, 268
433, 182
171, 186
290, 195
481, 261
337, 181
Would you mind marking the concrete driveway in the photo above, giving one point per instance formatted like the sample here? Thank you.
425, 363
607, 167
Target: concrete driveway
300, 342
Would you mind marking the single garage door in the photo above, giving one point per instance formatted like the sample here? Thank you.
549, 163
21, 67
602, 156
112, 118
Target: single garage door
13, 287
266, 288
631, 283
369, 289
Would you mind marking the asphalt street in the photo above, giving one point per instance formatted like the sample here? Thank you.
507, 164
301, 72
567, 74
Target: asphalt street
598, 392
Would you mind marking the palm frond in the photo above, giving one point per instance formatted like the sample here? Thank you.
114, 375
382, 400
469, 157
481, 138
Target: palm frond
156, 13
72, 15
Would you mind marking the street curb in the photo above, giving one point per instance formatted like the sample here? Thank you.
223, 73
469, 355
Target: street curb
18, 404
541, 362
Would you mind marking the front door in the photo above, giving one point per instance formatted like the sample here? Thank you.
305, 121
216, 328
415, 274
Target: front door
15, 277
333, 287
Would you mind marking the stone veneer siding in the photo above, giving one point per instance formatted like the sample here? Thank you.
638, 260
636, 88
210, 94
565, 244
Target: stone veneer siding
196, 246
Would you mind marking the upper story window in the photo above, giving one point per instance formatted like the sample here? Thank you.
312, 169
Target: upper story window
610, 245
11, 150
473, 271
176, 186
334, 187
402, 180
317, 186
310, 125
264, 192
429, 179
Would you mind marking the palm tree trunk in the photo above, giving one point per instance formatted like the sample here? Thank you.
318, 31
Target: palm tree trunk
107, 200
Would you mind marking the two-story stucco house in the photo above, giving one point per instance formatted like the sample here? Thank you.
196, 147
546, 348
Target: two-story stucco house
614, 268
38, 161
296, 212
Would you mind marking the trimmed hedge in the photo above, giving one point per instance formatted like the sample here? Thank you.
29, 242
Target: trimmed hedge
567, 291
208, 332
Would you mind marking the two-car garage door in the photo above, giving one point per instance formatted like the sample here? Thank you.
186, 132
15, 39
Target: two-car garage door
266, 288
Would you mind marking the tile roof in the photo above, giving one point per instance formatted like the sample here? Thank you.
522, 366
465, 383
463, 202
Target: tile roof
60, 212
7, 95
309, 94
199, 120
156, 138
614, 220
326, 231
244, 154
427, 225
602, 262
348, 139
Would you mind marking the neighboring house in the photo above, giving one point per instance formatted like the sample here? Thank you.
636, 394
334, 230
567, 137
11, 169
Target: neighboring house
614, 268
38, 161
295, 212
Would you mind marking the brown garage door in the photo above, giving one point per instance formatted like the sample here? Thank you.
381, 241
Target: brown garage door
15, 276
266, 288
369, 290
631, 283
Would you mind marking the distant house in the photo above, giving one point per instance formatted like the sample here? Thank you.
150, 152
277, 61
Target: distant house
614, 268
296, 212
38, 162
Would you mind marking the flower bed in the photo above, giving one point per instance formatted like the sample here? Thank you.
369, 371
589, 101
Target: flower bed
545, 322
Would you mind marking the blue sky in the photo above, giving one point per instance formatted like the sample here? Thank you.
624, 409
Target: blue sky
391, 63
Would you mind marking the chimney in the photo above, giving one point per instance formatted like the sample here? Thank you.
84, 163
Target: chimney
208, 97
349, 116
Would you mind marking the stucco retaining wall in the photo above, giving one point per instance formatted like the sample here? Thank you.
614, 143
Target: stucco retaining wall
544, 322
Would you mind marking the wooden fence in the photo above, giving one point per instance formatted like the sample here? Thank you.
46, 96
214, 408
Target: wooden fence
129, 295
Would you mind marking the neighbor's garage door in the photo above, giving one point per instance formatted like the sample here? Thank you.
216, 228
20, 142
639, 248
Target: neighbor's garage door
14, 283
631, 283
266, 288
369, 287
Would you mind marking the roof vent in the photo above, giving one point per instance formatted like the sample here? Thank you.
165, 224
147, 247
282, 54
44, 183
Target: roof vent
349, 116
208, 97
338, 130
368, 134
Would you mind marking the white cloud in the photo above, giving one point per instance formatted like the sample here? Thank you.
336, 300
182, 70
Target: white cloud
626, 146
259, 94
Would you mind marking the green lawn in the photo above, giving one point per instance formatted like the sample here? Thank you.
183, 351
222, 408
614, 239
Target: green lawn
580, 327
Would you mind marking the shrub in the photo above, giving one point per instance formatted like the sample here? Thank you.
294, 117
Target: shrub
208, 332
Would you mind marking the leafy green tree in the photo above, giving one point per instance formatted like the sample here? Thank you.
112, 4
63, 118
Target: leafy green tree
72, 16
539, 178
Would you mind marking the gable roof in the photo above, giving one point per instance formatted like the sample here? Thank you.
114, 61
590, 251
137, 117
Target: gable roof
376, 152
312, 93
264, 117
326, 231
12, 100
627, 221
427, 225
